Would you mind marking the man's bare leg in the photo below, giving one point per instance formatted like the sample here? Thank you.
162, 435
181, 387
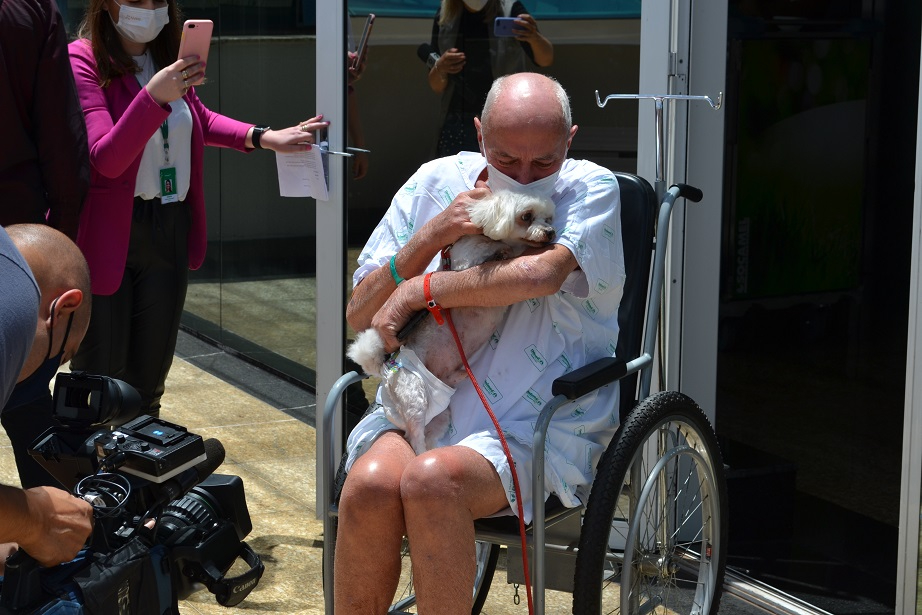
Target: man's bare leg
443, 491
371, 528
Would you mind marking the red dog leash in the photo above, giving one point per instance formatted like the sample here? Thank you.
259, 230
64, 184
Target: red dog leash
445, 316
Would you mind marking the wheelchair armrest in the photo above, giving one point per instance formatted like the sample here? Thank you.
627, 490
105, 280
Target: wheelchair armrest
589, 377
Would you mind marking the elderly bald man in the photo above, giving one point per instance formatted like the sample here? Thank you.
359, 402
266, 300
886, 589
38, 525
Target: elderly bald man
564, 303
35, 313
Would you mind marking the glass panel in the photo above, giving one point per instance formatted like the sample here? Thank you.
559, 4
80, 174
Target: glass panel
255, 291
811, 344
557, 9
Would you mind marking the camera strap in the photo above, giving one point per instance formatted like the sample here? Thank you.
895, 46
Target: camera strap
230, 591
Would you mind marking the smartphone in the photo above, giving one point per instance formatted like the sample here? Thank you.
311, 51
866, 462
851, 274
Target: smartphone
503, 26
196, 39
363, 42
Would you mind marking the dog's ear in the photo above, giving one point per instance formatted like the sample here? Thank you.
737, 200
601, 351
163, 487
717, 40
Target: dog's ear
495, 215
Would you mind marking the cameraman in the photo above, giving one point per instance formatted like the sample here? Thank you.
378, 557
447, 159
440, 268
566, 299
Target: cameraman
38, 315
63, 277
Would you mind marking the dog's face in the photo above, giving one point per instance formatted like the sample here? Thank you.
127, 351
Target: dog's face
515, 218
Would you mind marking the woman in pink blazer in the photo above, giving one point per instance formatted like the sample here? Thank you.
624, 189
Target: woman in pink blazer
143, 224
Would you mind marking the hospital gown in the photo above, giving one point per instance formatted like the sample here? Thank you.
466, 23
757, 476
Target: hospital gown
539, 340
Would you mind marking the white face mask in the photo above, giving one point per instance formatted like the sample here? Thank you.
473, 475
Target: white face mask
475, 5
141, 25
544, 187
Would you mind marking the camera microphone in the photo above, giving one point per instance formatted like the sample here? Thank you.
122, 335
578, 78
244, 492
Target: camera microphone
180, 484
214, 457
427, 54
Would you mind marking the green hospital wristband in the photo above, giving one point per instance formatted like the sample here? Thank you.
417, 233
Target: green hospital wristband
394, 274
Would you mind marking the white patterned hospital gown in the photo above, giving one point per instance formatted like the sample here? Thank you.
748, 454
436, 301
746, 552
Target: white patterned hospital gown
539, 340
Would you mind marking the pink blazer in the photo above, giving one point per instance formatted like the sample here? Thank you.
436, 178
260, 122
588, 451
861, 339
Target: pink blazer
119, 121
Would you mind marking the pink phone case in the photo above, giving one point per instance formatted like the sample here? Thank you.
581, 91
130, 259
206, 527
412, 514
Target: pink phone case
196, 39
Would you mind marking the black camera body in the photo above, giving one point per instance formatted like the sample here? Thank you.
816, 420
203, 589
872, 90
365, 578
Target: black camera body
152, 485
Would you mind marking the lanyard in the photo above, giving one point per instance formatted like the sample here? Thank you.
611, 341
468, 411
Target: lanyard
165, 133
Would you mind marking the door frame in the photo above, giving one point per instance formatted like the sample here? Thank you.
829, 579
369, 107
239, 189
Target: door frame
907, 574
331, 221
683, 51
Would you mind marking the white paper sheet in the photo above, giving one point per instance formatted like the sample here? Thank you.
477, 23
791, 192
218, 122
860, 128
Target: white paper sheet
301, 174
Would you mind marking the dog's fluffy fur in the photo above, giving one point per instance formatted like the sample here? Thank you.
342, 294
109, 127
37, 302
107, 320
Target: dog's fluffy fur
511, 222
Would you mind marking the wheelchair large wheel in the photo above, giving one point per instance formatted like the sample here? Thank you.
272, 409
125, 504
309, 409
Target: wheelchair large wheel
654, 534
486, 555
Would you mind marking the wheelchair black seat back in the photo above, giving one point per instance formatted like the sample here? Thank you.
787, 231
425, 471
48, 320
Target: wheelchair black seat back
652, 537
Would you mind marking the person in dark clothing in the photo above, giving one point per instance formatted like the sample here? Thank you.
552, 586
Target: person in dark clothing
471, 57
44, 162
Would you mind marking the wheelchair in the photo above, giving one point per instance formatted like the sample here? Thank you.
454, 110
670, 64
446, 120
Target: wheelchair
652, 537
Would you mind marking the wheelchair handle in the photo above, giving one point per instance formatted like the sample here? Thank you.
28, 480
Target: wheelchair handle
689, 192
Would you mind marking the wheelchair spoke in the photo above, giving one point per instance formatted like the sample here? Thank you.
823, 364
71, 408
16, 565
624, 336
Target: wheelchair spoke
664, 526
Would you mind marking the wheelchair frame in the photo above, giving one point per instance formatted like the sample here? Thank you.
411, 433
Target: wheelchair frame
663, 449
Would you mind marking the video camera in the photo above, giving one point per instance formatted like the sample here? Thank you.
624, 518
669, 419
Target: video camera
154, 492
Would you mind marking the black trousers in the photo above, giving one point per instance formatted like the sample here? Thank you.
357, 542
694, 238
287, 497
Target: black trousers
132, 333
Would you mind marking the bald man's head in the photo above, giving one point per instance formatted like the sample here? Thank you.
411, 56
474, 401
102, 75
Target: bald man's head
526, 128
63, 277
527, 99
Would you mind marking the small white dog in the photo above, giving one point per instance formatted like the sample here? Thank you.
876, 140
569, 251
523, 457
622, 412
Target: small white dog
511, 222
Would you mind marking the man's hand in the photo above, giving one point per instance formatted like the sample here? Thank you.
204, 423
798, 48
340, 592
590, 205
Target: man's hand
402, 304
58, 525
455, 221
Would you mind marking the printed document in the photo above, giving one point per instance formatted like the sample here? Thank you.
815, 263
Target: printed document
301, 174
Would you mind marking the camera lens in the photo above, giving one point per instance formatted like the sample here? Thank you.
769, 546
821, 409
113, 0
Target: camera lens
186, 519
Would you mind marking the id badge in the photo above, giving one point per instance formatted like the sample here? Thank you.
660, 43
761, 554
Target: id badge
168, 187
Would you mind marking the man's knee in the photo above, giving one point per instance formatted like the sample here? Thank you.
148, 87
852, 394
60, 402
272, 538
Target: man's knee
370, 489
430, 481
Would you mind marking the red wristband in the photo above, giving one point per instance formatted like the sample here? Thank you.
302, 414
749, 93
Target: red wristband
431, 305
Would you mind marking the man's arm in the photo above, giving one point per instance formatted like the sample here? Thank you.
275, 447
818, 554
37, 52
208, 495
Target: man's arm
537, 273
50, 524
443, 230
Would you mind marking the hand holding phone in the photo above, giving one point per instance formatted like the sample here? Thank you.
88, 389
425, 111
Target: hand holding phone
362, 49
196, 39
503, 26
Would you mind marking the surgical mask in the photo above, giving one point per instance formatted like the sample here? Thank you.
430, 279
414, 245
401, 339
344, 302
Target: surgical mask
544, 187
475, 5
141, 25
36, 386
